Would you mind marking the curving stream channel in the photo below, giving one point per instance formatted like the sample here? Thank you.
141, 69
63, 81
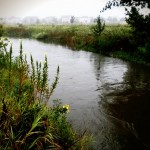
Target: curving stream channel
109, 97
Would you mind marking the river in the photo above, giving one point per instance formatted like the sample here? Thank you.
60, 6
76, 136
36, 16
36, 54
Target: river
109, 97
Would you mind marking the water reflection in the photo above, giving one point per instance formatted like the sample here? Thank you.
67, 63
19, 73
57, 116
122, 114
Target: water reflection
127, 103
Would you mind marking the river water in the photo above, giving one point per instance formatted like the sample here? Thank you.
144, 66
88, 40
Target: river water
109, 97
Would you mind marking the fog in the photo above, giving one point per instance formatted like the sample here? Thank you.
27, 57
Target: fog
57, 8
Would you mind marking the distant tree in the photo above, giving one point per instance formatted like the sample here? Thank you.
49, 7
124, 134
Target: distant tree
72, 20
99, 27
1, 21
139, 23
114, 20
109, 19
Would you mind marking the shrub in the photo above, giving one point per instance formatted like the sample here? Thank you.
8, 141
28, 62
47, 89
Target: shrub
99, 27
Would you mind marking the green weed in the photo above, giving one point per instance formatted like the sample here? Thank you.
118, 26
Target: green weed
26, 119
114, 38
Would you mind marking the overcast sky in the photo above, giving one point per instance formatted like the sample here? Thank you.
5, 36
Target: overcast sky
57, 8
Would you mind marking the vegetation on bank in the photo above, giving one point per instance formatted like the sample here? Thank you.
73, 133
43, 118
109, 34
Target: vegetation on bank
26, 119
139, 23
74, 36
114, 40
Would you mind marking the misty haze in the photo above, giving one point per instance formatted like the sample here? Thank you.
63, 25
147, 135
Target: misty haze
74, 74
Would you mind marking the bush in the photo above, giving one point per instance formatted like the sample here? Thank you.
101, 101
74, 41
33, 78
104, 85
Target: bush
140, 26
99, 27
41, 36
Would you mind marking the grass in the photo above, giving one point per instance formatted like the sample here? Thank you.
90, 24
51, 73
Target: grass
26, 119
114, 38
74, 36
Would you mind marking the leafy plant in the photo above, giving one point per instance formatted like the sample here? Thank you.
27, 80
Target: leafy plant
140, 26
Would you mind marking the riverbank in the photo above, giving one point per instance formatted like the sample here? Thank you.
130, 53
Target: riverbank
26, 119
115, 40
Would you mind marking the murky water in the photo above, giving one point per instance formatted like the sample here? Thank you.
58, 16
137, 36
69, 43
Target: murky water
108, 97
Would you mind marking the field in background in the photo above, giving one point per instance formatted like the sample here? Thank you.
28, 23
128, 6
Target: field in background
115, 40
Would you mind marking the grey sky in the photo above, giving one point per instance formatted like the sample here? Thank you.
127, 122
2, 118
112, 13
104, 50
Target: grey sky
44, 8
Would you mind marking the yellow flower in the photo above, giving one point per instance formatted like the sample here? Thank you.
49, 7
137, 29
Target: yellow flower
67, 107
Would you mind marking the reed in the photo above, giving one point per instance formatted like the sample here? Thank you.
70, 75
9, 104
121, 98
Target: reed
112, 39
26, 119
74, 36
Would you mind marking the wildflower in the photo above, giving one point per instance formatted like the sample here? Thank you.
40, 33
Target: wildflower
66, 108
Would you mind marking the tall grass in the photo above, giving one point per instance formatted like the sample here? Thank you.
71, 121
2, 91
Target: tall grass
26, 119
74, 36
113, 40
